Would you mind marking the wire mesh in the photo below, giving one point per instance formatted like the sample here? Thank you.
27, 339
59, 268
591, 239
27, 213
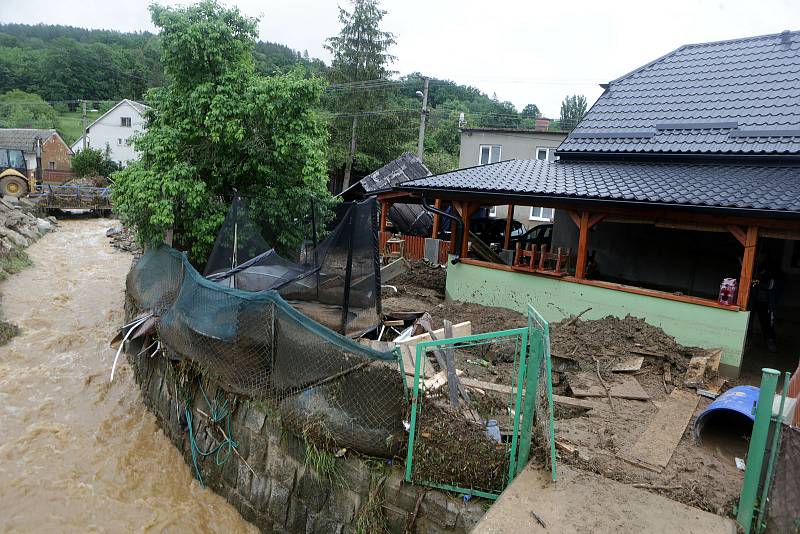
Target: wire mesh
470, 450
323, 384
784, 497
540, 363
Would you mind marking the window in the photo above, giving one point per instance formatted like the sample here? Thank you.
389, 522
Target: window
546, 153
489, 154
127, 142
51, 165
541, 214
3, 159
119, 141
493, 211
16, 159
125, 121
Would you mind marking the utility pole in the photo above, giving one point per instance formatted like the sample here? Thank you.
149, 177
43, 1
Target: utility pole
348, 169
422, 117
85, 140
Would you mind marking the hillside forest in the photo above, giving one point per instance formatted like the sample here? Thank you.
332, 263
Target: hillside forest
46, 71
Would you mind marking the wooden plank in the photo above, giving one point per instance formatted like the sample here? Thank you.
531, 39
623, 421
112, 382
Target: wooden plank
714, 357
438, 380
748, 263
509, 218
508, 390
450, 364
624, 387
696, 371
583, 245
738, 233
459, 330
655, 446
436, 221
626, 365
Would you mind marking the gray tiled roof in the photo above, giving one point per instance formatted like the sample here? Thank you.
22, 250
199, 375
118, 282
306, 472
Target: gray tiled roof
406, 167
22, 138
741, 187
722, 97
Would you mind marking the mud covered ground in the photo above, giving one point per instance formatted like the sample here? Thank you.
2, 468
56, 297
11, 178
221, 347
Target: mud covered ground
702, 476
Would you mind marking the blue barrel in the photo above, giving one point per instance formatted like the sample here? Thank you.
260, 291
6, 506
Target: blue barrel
737, 402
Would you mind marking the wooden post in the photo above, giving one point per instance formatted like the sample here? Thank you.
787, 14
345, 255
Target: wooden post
466, 215
509, 218
384, 214
583, 244
436, 223
748, 263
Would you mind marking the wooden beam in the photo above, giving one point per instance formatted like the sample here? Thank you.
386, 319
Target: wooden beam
575, 217
466, 215
738, 233
509, 218
583, 245
436, 222
748, 263
384, 213
596, 218
397, 194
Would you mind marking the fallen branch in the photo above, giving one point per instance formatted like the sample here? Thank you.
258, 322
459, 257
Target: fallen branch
573, 320
652, 487
605, 386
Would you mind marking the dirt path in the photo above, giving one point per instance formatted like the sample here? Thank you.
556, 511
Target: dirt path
77, 453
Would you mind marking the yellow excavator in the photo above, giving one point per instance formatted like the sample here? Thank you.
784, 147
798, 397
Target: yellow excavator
14, 178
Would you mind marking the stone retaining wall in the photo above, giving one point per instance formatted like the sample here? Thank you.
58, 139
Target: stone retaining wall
285, 494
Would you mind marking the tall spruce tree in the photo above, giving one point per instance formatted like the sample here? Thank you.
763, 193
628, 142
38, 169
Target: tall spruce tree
360, 54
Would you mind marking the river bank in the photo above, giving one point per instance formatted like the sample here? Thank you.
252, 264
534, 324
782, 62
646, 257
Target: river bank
78, 453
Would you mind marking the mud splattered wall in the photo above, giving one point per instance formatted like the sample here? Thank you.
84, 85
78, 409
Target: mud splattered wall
285, 494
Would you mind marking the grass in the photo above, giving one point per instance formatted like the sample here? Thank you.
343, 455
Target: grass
321, 460
13, 263
70, 124
370, 518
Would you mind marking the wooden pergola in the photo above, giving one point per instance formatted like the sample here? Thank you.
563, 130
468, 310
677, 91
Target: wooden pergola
746, 230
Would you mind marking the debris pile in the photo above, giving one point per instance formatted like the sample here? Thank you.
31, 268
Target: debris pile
124, 238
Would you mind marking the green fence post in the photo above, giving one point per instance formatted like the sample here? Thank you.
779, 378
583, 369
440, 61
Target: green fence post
773, 453
755, 454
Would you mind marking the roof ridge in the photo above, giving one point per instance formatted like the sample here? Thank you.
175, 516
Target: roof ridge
692, 45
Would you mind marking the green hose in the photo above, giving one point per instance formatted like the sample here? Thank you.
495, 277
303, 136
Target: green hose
222, 451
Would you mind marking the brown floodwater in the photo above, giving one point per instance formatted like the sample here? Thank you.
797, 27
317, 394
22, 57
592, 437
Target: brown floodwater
77, 453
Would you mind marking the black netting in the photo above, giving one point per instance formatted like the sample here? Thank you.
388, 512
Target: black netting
784, 496
336, 283
258, 345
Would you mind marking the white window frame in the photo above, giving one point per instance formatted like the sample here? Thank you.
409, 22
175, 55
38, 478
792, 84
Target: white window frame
499, 153
125, 122
493, 211
549, 153
532, 217
119, 141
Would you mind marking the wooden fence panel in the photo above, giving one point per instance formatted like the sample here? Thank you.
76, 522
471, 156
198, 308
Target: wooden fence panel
413, 246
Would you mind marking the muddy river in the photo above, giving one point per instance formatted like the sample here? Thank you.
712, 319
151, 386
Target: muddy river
77, 453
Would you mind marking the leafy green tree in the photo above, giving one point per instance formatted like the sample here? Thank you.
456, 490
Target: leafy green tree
573, 108
219, 126
93, 162
360, 53
19, 109
531, 111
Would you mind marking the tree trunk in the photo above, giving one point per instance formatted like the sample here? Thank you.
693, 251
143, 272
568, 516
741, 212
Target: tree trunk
349, 167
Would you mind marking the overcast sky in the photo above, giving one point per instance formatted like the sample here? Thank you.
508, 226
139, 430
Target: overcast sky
525, 51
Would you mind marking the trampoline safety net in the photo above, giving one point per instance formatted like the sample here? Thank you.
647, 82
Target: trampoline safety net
260, 346
335, 282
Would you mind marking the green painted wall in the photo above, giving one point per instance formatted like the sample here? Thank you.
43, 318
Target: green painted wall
555, 299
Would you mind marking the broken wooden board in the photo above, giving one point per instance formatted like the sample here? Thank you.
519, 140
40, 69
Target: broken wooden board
712, 366
696, 371
408, 348
508, 390
655, 446
627, 365
623, 387
438, 380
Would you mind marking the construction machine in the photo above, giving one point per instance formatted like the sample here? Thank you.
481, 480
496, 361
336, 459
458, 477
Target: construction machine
14, 178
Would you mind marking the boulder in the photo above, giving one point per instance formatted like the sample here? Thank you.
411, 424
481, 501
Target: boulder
43, 226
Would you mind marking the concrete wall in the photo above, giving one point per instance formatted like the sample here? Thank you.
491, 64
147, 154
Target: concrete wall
516, 145
690, 324
284, 494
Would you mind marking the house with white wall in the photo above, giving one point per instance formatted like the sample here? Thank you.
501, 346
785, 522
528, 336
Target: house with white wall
114, 129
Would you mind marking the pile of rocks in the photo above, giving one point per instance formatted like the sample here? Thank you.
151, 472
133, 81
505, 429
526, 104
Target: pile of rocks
124, 238
19, 227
